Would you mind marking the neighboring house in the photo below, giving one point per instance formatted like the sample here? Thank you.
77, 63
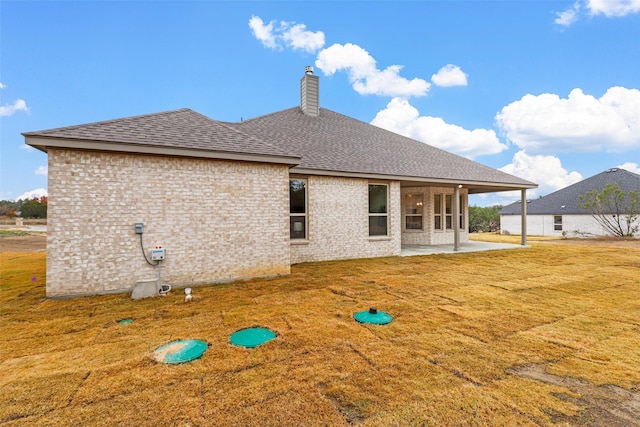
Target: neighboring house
239, 200
558, 214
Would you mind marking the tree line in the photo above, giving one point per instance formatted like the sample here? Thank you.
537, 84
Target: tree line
484, 219
28, 208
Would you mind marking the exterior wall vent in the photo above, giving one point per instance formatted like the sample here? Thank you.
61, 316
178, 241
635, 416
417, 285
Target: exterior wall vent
310, 93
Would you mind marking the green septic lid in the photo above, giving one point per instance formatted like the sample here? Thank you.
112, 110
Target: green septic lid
251, 337
125, 321
180, 351
373, 316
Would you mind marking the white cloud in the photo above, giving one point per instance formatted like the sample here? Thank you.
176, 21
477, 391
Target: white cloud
278, 35
360, 66
364, 75
613, 8
42, 170
26, 147
568, 17
299, 38
547, 123
546, 171
630, 166
608, 8
263, 32
449, 75
10, 109
401, 117
18, 105
38, 192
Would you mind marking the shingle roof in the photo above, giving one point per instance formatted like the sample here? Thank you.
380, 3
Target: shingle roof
335, 142
566, 200
182, 128
330, 142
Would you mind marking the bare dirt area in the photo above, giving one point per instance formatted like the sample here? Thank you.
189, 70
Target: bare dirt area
22, 238
22, 241
605, 405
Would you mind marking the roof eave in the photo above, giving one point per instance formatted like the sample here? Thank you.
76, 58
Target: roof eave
475, 187
43, 143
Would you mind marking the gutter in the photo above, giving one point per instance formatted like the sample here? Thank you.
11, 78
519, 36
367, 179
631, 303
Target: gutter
43, 143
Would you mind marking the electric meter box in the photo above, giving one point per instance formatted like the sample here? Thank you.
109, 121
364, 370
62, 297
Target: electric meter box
157, 254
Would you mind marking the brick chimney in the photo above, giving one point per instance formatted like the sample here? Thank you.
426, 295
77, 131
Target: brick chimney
310, 93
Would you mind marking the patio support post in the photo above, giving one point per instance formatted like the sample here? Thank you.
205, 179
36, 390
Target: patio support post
523, 215
456, 218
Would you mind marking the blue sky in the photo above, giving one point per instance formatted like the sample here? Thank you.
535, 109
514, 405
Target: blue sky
545, 90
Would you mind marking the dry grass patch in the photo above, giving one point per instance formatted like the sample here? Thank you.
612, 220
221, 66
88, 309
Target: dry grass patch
465, 328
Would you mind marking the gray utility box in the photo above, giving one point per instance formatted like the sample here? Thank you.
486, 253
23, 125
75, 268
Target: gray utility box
158, 254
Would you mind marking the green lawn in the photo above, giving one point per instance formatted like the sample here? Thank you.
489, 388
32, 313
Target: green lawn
467, 328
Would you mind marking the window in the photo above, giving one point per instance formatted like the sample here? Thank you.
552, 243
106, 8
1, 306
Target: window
298, 208
413, 211
557, 222
378, 210
437, 211
448, 210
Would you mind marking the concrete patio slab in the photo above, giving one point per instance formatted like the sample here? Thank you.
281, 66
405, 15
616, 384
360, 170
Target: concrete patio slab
471, 246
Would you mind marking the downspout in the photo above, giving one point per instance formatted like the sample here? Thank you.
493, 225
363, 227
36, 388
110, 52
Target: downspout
523, 216
456, 218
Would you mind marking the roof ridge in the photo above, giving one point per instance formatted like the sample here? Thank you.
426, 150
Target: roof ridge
263, 116
395, 134
231, 126
248, 121
635, 175
592, 178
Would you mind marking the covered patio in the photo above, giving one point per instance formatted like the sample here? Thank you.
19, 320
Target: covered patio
470, 246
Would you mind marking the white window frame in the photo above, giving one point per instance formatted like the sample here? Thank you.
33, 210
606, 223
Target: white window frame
376, 214
306, 209
557, 223
448, 216
420, 215
437, 214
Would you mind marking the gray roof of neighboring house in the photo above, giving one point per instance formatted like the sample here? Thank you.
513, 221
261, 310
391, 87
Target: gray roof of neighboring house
566, 200
328, 144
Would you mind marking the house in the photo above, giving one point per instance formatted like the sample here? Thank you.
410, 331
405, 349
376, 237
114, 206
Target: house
559, 214
237, 200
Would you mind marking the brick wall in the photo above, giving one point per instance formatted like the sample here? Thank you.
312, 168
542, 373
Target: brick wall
338, 218
218, 220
